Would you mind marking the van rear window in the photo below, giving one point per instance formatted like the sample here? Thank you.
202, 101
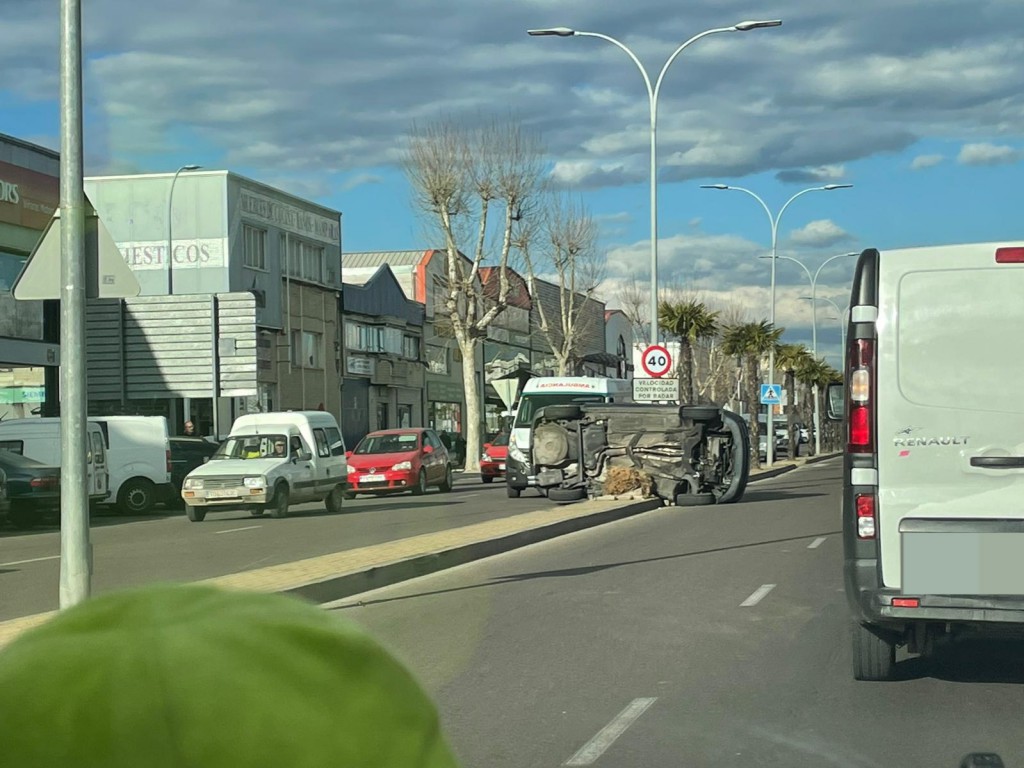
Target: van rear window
960, 336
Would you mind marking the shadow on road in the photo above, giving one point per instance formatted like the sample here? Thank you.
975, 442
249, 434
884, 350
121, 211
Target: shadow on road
587, 569
972, 660
775, 495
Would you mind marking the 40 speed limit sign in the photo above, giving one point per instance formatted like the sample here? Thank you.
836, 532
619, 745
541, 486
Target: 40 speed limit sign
656, 361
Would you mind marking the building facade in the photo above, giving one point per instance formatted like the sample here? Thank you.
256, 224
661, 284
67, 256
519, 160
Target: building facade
204, 233
507, 347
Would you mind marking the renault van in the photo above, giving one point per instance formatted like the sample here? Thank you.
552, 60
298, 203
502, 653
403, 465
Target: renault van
933, 474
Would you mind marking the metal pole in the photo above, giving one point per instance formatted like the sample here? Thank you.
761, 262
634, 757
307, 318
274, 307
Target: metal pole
814, 344
770, 426
654, 215
75, 550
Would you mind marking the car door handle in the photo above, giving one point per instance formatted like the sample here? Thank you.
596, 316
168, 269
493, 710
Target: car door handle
998, 462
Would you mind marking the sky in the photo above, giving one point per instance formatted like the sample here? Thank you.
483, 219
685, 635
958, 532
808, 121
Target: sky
919, 104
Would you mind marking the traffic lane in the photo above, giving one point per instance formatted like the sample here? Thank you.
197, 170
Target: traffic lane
532, 653
169, 547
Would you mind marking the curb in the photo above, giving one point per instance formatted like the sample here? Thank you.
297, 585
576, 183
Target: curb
776, 471
356, 582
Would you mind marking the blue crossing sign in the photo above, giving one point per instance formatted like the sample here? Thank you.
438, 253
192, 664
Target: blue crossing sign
771, 394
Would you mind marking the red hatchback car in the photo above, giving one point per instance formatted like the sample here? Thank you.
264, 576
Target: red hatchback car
394, 460
492, 462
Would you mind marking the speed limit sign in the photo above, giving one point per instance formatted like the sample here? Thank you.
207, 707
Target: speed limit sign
656, 361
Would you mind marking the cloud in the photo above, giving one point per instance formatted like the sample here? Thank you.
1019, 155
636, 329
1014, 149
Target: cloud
360, 179
819, 234
925, 161
622, 217
823, 174
987, 154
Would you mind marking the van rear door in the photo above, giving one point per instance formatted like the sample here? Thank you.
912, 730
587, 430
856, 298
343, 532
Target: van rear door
950, 421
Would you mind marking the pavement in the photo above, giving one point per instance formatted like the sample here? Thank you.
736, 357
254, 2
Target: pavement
312, 554
697, 637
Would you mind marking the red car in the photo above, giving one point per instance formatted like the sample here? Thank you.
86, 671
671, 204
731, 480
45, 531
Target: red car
394, 460
492, 462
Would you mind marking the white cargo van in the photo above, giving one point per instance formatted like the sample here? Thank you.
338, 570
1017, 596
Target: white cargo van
541, 392
139, 458
933, 475
39, 439
269, 461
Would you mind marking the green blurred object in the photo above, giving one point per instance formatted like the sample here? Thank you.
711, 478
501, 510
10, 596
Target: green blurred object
191, 675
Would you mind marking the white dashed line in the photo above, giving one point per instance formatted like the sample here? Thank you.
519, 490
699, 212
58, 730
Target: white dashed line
758, 596
33, 560
597, 746
236, 530
816, 543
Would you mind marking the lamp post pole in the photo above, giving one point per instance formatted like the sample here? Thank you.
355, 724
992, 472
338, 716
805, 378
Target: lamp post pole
170, 227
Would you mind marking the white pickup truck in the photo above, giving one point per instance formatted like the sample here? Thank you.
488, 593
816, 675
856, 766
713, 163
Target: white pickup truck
269, 461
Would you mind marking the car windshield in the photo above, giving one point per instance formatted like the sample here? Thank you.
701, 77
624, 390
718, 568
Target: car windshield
500, 440
530, 404
254, 447
397, 442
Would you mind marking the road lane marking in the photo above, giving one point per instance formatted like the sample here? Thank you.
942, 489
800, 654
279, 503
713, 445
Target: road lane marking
816, 543
236, 530
33, 560
758, 596
597, 746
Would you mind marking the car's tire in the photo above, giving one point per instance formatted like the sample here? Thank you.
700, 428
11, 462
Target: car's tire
512, 492
567, 411
700, 412
256, 512
695, 499
564, 495
136, 496
487, 478
421, 484
349, 495
740, 458
874, 656
194, 513
332, 502
449, 482
278, 508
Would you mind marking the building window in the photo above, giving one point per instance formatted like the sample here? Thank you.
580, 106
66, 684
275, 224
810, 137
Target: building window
304, 261
254, 247
437, 360
411, 348
306, 349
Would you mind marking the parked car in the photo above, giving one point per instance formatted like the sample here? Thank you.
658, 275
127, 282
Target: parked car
492, 462
187, 453
39, 439
33, 490
393, 460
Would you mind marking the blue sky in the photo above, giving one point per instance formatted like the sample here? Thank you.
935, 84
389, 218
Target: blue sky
918, 104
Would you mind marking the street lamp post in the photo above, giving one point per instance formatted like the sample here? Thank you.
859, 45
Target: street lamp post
170, 227
774, 256
652, 95
842, 316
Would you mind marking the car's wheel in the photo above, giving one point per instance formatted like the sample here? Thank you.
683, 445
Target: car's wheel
448, 483
487, 478
563, 495
256, 511
333, 500
740, 459
194, 513
279, 506
421, 484
137, 496
349, 495
513, 493
874, 656
694, 499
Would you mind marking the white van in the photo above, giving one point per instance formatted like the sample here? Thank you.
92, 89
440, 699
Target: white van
139, 458
541, 392
269, 461
933, 475
39, 439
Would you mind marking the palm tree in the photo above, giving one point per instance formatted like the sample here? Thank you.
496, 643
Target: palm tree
790, 358
750, 342
818, 374
690, 322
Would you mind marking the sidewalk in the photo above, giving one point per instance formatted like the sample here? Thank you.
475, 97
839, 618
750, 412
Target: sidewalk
350, 572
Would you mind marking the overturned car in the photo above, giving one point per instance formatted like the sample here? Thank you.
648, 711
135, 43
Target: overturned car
689, 455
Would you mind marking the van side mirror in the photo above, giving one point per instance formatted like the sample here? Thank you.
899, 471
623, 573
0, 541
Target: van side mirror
835, 403
305, 456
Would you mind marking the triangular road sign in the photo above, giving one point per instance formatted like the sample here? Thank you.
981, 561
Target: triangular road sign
506, 389
107, 275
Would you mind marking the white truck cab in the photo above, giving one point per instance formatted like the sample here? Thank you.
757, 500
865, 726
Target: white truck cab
268, 462
933, 475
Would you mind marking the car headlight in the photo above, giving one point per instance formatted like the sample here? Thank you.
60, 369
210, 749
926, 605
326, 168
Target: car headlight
516, 454
486, 456
194, 483
255, 482
402, 465
352, 470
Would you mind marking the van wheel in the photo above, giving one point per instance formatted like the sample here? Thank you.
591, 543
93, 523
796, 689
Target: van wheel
513, 493
487, 478
421, 484
256, 512
333, 500
874, 657
448, 482
137, 496
279, 507
195, 514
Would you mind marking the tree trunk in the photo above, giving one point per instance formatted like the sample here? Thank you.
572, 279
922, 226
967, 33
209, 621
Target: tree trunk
807, 414
472, 418
754, 407
792, 435
686, 372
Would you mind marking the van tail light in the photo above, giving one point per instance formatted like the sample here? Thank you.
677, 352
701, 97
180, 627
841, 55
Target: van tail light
867, 525
1009, 255
861, 411
168, 452
45, 482
906, 602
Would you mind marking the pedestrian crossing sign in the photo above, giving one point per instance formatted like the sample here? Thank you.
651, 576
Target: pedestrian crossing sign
771, 394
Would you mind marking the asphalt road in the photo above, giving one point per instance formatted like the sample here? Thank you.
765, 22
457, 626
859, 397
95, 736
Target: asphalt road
165, 546
701, 637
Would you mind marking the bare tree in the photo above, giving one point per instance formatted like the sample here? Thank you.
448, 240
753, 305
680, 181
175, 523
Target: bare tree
634, 300
564, 240
474, 183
